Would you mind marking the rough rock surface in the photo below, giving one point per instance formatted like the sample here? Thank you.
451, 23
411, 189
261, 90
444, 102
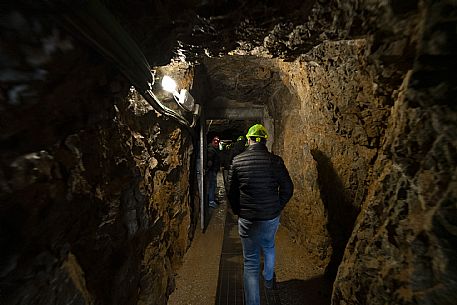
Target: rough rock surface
96, 203
331, 128
403, 248
100, 217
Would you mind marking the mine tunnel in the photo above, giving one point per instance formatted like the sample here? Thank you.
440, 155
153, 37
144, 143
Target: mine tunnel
103, 178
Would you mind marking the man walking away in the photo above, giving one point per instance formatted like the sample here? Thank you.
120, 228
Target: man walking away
259, 186
213, 165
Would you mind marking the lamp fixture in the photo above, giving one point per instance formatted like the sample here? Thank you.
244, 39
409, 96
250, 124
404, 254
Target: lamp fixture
183, 98
168, 84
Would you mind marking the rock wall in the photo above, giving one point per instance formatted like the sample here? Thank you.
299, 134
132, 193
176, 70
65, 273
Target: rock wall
332, 128
96, 203
403, 249
366, 125
370, 115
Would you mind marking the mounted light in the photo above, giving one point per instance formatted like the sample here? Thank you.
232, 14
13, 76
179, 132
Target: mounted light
168, 84
183, 98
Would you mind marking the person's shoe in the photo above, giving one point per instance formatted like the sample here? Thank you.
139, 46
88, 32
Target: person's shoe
213, 204
270, 284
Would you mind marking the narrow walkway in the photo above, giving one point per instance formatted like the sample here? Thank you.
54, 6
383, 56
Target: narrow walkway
212, 272
230, 283
196, 280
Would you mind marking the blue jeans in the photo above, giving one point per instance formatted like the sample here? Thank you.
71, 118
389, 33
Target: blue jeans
212, 183
256, 236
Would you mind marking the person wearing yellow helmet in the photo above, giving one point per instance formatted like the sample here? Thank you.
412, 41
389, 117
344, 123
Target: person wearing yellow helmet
258, 188
257, 133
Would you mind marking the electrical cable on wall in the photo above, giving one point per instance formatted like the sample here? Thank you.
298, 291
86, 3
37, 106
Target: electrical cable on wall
96, 25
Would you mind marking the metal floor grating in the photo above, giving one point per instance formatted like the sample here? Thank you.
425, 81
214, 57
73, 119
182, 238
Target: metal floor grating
230, 282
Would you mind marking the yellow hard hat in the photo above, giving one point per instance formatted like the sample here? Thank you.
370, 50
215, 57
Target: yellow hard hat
257, 131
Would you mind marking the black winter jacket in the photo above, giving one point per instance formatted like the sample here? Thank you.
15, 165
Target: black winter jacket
259, 185
214, 161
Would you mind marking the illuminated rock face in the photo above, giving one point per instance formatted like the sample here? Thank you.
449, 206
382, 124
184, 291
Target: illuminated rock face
97, 202
402, 249
332, 127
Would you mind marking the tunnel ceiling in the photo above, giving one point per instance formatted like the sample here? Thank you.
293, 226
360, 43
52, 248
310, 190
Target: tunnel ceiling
195, 29
241, 86
228, 129
239, 78
234, 40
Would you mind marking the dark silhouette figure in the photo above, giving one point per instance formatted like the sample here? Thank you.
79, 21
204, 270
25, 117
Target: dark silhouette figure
238, 147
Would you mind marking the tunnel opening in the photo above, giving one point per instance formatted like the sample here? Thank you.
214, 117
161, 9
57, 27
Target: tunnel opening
228, 129
302, 119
